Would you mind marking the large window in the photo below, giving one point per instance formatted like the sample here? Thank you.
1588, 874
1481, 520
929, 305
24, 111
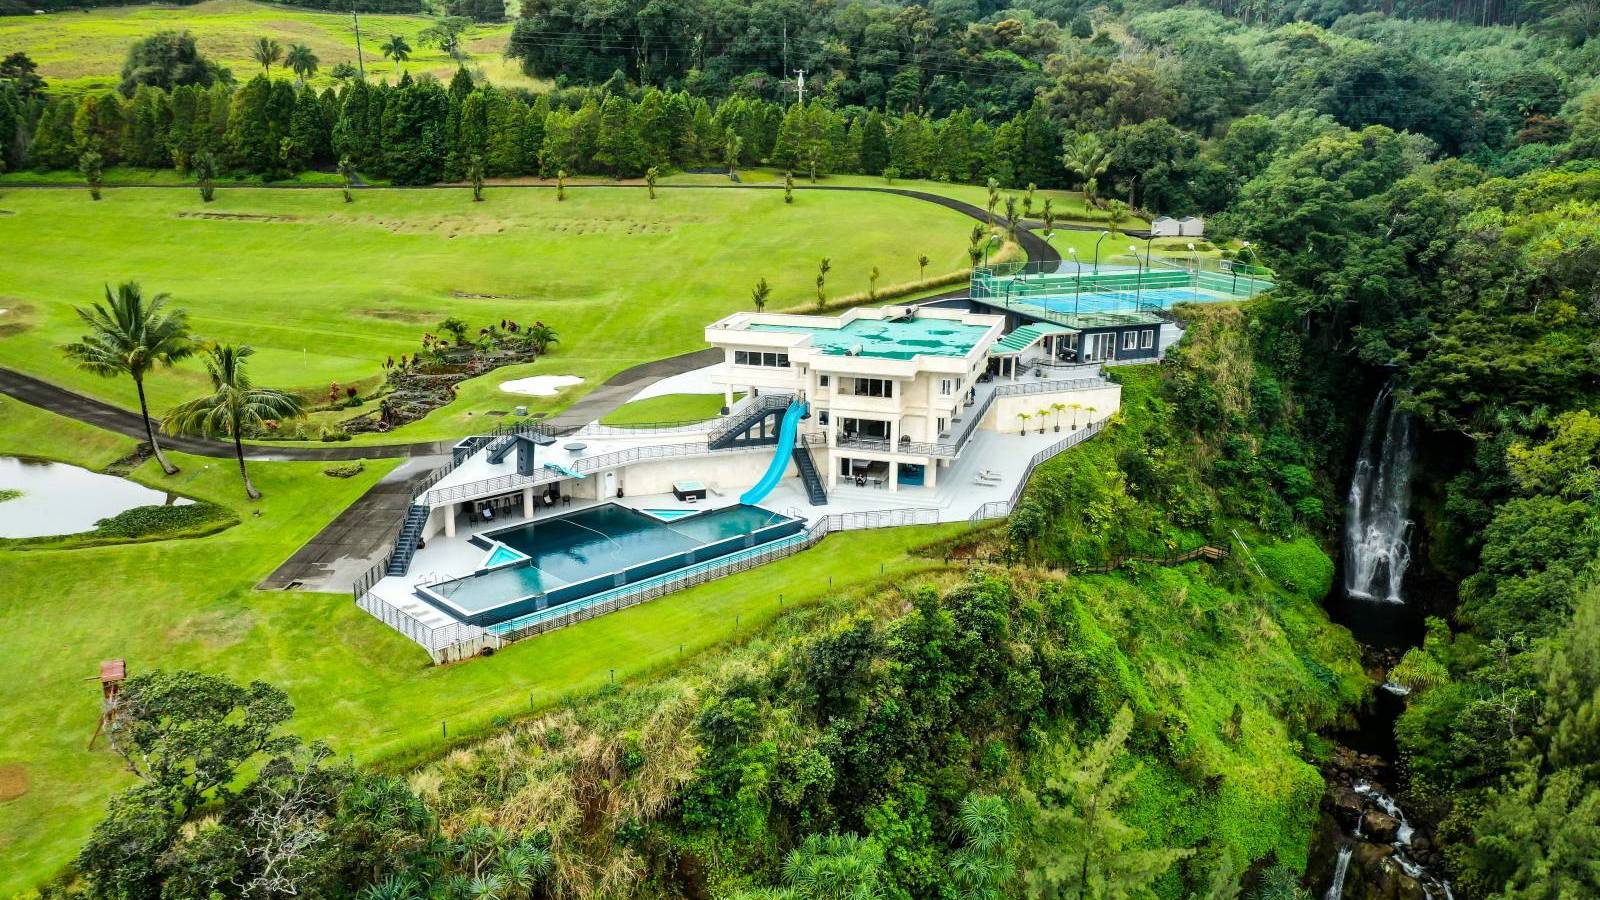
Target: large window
1130, 340
874, 387
759, 358
1147, 338
947, 386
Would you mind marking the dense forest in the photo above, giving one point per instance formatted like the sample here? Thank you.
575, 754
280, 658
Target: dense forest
1427, 190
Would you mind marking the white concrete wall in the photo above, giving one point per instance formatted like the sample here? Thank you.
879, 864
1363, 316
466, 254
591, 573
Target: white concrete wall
1002, 415
730, 474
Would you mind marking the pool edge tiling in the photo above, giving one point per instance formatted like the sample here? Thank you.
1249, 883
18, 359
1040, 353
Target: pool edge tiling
572, 567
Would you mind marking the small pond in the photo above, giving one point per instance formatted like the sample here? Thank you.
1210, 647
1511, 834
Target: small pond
61, 499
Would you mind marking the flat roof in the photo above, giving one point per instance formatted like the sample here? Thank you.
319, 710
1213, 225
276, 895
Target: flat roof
888, 339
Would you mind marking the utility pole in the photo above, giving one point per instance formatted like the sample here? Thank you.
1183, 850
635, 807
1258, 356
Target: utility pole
785, 45
800, 84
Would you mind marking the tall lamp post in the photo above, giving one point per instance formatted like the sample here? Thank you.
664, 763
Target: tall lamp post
1138, 286
1078, 289
986, 245
1249, 274
1103, 236
1194, 283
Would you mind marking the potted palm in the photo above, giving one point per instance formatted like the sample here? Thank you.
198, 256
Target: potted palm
1024, 417
1057, 408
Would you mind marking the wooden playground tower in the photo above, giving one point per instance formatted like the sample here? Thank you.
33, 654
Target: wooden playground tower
112, 673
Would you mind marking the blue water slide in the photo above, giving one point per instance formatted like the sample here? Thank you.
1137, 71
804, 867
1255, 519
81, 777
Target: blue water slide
780, 460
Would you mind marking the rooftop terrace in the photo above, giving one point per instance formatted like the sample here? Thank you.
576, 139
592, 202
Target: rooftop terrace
888, 339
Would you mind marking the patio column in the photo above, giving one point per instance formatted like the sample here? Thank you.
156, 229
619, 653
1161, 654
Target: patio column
931, 474
450, 520
894, 441
932, 428
727, 395
527, 502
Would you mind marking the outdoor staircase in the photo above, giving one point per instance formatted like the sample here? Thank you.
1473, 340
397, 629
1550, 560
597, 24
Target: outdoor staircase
405, 543
810, 476
736, 433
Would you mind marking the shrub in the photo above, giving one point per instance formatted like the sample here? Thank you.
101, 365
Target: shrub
9, 494
152, 521
346, 470
331, 433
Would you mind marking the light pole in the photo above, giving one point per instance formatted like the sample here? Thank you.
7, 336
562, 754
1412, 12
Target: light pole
986, 245
1103, 236
1194, 283
1078, 289
1138, 286
1249, 275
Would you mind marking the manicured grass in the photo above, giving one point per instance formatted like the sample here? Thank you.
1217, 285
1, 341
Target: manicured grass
679, 409
133, 175
26, 431
84, 51
327, 291
356, 683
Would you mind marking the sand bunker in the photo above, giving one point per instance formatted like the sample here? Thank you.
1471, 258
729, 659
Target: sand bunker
540, 385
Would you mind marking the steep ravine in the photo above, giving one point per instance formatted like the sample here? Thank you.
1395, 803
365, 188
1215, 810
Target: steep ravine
1367, 846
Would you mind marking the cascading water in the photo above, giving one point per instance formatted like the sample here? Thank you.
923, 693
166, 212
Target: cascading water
1336, 890
1377, 529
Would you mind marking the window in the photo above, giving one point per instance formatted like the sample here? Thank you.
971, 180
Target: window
758, 358
822, 417
1147, 338
947, 386
822, 381
1130, 340
874, 387
944, 425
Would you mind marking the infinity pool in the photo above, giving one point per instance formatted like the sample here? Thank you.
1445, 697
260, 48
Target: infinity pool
557, 560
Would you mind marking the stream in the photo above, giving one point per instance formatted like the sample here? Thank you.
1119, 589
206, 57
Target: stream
1369, 847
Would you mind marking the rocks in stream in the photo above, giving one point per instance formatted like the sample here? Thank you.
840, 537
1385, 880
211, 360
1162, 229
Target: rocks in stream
1390, 859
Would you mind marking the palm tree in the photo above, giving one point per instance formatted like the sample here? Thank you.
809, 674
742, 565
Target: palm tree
397, 49
267, 52
872, 283
1116, 211
232, 406
1076, 408
1086, 156
302, 61
347, 171
922, 266
1049, 216
1024, 417
541, 336
128, 336
760, 293
475, 175
1057, 408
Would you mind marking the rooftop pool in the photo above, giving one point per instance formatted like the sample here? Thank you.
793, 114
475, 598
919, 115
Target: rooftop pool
538, 565
900, 339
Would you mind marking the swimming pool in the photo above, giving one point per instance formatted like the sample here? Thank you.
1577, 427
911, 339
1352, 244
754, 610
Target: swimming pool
889, 338
568, 557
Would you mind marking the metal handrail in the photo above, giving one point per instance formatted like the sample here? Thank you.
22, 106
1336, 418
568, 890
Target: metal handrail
996, 509
512, 481
1050, 386
734, 421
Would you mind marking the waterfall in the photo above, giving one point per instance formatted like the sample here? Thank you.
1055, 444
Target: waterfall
1336, 890
1377, 530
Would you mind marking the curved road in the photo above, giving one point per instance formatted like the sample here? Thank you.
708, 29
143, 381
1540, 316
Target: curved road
612, 393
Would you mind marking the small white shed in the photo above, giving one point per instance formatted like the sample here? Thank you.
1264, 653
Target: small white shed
1166, 226
1192, 226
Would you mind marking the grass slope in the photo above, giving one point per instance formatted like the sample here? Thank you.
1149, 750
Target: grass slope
327, 291
356, 683
84, 51
667, 408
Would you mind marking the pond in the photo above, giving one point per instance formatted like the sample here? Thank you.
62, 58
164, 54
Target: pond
63, 499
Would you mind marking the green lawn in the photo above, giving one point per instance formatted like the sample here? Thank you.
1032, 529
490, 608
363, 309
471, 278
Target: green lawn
680, 409
84, 51
327, 291
355, 682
